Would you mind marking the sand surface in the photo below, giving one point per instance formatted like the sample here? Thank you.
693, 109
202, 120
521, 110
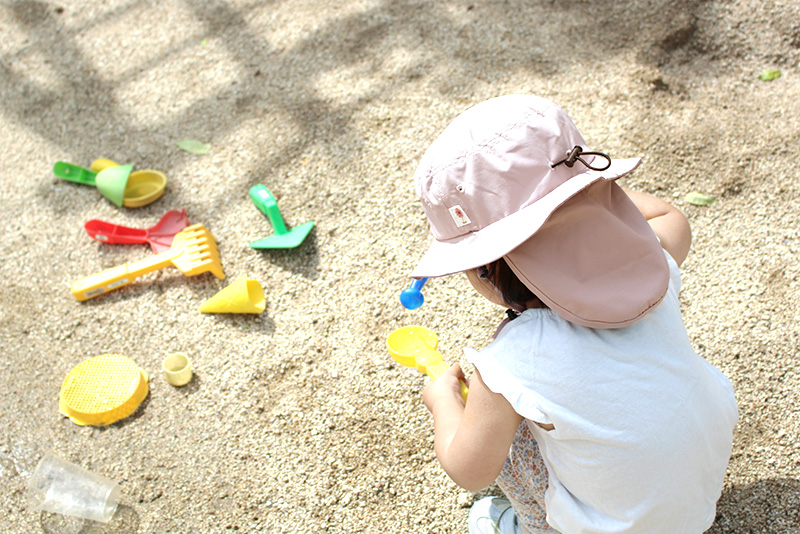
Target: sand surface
296, 419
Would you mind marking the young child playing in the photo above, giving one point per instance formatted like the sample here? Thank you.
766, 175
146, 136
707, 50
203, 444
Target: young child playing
589, 409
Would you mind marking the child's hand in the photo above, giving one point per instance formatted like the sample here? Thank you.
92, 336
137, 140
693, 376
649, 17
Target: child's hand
446, 387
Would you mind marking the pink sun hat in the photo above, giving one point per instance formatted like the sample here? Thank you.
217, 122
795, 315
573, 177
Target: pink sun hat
512, 177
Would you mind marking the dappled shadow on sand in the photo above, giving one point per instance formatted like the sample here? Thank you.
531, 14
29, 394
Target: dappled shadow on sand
769, 506
471, 39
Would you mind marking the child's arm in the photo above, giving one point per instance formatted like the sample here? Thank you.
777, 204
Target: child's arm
472, 441
668, 223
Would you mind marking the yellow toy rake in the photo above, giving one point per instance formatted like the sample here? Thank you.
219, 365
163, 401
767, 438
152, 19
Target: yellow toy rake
193, 251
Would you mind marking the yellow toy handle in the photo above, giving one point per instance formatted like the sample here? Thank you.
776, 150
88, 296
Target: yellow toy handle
105, 281
415, 346
437, 369
102, 164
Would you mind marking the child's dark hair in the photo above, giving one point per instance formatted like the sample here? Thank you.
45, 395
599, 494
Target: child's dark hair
514, 292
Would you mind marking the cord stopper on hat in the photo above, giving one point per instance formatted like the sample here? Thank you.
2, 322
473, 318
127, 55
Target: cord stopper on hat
575, 155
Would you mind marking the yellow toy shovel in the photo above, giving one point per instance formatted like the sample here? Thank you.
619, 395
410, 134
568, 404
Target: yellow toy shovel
193, 251
415, 346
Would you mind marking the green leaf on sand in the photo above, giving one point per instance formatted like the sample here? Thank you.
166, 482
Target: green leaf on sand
769, 75
699, 199
194, 146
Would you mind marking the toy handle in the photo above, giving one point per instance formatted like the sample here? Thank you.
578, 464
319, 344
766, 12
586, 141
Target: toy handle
102, 164
73, 173
437, 369
412, 297
99, 283
416, 285
114, 233
265, 201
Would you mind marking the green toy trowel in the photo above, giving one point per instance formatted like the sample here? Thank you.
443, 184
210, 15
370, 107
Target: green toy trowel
283, 238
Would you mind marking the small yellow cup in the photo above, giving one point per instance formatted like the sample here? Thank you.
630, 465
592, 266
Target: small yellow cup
177, 368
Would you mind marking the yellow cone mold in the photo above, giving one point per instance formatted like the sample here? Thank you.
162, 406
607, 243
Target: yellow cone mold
102, 390
242, 296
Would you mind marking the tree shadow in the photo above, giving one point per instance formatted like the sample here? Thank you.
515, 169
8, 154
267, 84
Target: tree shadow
765, 506
505, 37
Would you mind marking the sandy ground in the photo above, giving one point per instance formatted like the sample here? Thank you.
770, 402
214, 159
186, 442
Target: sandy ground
297, 420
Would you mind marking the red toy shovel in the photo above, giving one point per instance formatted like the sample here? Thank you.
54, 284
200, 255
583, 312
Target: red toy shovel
159, 236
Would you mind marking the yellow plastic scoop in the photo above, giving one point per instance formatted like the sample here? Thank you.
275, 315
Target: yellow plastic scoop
415, 346
102, 390
193, 251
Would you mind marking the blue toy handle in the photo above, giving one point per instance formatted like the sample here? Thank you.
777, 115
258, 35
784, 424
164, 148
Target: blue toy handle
412, 297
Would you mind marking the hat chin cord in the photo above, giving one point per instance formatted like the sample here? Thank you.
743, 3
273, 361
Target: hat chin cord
575, 154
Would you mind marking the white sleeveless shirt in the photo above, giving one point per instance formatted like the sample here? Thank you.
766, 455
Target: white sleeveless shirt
643, 425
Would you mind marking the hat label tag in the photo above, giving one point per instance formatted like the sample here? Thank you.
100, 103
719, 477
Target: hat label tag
459, 216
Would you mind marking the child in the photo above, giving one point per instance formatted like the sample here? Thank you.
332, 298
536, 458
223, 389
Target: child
589, 409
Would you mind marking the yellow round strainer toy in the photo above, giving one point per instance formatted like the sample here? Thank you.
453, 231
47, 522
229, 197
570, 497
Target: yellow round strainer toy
102, 390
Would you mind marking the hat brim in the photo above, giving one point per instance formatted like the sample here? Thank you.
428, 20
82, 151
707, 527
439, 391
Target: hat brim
498, 239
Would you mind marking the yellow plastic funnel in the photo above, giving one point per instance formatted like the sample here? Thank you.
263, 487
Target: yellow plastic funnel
242, 296
102, 390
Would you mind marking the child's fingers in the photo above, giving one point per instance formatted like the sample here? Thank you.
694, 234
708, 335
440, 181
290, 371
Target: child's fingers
459, 373
456, 370
447, 386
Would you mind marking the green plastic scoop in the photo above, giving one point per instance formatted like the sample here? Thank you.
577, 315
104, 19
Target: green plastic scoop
111, 182
283, 238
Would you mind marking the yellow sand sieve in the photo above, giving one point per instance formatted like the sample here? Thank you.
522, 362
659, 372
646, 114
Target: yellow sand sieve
102, 390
